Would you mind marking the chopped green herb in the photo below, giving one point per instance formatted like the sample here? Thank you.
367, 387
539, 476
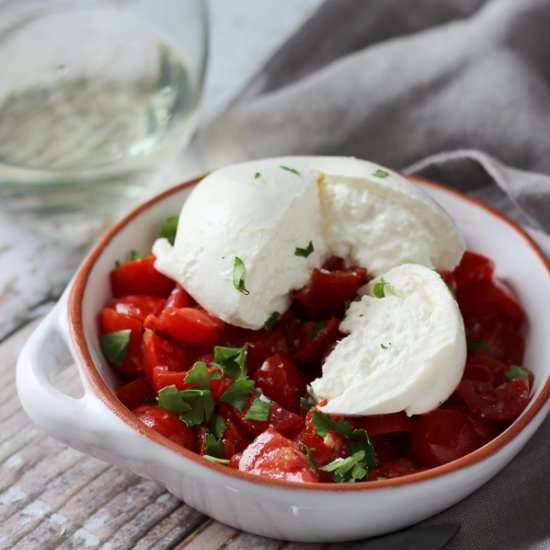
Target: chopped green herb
317, 328
201, 405
198, 375
304, 252
378, 288
218, 426
260, 408
213, 446
380, 173
516, 373
478, 345
171, 399
307, 402
349, 469
238, 393
114, 346
216, 460
135, 255
273, 318
239, 271
452, 290
169, 228
257, 175
386, 346
290, 169
231, 360
309, 455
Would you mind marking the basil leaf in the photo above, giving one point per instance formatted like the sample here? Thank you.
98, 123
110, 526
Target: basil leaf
273, 318
304, 252
231, 360
216, 460
290, 169
516, 373
114, 346
260, 408
239, 271
238, 393
378, 288
380, 173
218, 426
171, 399
213, 446
198, 375
169, 229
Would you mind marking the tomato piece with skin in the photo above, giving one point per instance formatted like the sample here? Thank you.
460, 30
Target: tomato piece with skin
134, 393
280, 380
280, 419
443, 435
234, 441
394, 468
140, 277
503, 403
138, 306
334, 263
273, 456
188, 325
380, 424
473, 268
163, 377
313, 339
178, 298
112, 321
262, 344
329, 291
167, 424
159, 351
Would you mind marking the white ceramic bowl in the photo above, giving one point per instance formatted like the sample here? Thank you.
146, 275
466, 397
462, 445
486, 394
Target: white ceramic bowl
98, 424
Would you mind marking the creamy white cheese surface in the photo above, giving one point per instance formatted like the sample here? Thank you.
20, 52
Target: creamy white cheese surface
259, 212
378, 219
404, 351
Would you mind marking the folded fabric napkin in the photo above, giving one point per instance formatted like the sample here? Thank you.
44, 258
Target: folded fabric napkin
456, 90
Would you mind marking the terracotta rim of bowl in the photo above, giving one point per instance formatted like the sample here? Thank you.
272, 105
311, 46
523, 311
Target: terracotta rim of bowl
108, 397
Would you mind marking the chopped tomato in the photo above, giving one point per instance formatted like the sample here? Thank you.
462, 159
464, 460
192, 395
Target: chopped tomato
167, 424
274, 457
112, 321
329, 291
473, 268
394, 468
134, 393
163, 377
138, 306
178, 298
261, 345
334, 263
140, 277
234, 441
188, 325
159, 351
280, 380
313, 339
502, 403
380, 424
443, 435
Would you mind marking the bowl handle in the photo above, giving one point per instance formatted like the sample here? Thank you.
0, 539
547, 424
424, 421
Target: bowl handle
85, 422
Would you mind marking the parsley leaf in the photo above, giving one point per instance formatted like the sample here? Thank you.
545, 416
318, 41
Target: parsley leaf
378, 288
478, 345
216, 460
452, 290
516, 373
380, 173
273, 318
290, 169
349, 469
310, 460
304, 252
169, 228
135, 255
238, 393
260, 408
317, 328
231, 360
198, 376
218, 426
239, 271
201, 405
171, 399
307, 402
114, 346
257, 175
213, 446
386, 346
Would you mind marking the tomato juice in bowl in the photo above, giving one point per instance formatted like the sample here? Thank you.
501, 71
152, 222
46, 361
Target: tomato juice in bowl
296, 511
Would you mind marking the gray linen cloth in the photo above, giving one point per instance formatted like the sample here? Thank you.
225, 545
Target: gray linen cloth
458, 91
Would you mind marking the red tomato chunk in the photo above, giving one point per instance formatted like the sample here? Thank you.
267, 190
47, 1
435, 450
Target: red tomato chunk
166, 424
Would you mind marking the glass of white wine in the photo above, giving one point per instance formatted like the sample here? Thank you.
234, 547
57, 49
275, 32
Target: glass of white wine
95, 95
